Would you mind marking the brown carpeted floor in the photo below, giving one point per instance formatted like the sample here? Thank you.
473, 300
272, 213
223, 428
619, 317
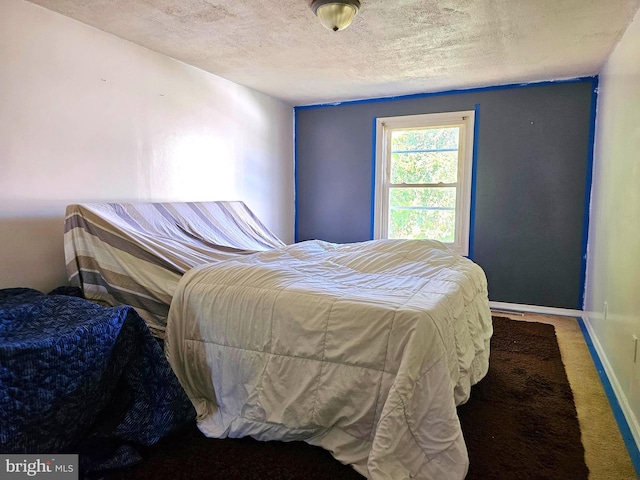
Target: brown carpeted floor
606, 454
519, 424
521, 421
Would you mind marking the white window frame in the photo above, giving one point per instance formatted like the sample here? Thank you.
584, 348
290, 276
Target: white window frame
465, 120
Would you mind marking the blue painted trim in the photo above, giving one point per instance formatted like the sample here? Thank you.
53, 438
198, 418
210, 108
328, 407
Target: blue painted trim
474, 171
295, 178
587, 194
623, 426
446, 92
373, 180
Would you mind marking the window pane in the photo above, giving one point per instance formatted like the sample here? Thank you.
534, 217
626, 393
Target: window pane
425, 139
422, 213
426, 155
425, 167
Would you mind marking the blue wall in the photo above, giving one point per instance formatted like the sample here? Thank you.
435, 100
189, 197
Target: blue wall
532, 180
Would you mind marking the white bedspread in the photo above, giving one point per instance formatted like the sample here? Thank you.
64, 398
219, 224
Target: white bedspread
363, 349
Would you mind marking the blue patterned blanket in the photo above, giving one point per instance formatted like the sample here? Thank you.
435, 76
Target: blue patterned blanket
76, 377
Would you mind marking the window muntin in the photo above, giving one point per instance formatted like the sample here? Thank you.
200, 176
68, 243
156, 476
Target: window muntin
423, 177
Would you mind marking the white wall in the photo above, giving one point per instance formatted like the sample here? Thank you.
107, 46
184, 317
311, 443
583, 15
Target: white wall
86, 116
613, 260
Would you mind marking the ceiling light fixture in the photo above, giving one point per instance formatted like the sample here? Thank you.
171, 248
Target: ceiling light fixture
335, 15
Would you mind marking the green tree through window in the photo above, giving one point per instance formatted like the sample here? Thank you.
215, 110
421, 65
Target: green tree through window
423, 161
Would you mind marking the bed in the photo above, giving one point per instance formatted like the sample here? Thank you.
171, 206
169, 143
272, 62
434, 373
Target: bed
363, 349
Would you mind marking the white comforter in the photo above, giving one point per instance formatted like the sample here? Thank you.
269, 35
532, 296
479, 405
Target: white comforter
363, 349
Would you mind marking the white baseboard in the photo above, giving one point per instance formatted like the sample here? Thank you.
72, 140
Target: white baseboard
517, 307
629, 416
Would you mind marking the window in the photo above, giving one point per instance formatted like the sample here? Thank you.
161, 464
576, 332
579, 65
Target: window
423, 177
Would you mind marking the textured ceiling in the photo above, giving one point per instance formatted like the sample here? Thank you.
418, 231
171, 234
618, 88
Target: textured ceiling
393, 47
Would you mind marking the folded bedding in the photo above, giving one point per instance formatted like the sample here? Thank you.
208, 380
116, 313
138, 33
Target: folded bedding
363, 349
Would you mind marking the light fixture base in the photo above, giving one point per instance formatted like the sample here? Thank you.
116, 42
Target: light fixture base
335, 14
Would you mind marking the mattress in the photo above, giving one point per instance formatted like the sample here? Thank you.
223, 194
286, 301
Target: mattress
363, 349
135, 253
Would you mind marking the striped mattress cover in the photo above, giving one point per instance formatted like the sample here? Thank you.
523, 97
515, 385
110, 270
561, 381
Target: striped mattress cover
135, 253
